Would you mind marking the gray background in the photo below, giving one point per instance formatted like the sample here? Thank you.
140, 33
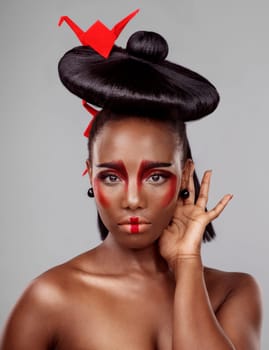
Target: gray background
45, 215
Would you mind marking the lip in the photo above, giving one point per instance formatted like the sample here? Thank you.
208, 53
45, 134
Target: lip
134, 220
134, 225
134, 229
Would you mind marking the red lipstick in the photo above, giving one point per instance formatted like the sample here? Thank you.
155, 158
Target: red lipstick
134, 224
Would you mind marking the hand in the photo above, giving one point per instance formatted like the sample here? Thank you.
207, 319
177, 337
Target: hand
183, 236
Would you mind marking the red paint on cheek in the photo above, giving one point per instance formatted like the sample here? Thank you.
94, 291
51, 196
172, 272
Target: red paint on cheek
170, 191
134, 224
99, 194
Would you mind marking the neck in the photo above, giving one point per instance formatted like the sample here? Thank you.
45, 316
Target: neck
119, 259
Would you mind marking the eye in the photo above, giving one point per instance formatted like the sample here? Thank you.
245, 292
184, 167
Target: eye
157, 178
109, 178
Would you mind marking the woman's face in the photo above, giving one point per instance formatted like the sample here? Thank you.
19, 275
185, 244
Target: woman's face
135, 174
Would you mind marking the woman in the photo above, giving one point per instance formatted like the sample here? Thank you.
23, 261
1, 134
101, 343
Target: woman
144, 287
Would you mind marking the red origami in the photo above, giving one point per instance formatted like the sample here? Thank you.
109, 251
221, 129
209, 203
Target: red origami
98, 36
101, 39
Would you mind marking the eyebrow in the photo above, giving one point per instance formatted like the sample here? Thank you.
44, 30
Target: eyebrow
148, 165
117, 165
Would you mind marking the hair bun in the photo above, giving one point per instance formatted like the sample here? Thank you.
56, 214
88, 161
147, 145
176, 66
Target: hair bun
147, 45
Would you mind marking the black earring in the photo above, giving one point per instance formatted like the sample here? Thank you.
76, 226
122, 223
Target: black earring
90, 192
184, 194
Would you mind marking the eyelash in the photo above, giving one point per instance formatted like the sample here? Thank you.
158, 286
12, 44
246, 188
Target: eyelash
160, 175
105, 176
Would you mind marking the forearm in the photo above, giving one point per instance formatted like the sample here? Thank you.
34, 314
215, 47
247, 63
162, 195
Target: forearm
195, 325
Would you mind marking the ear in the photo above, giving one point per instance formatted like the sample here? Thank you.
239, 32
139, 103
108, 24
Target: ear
186, 174
89, 169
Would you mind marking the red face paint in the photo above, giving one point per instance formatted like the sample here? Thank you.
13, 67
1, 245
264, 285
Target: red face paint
134, 224
98, 192
116, 168
171, 190
141, 172
147, 168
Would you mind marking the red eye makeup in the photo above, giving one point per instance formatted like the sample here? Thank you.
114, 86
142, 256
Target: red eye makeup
117, 167
148, 168
116, 171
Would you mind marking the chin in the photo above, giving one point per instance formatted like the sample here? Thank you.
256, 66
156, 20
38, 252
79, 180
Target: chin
138, 240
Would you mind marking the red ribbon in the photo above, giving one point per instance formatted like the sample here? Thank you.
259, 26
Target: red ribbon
93, 112
101, 39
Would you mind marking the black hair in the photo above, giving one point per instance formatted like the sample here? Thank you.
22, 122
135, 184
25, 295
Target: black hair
139, 81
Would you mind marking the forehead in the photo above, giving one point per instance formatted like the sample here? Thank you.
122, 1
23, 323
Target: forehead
135, 139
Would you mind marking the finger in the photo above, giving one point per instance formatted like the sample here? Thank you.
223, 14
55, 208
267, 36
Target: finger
215, 212
204, 190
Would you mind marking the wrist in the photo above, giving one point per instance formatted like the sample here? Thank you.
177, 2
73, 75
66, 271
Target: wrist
187, 260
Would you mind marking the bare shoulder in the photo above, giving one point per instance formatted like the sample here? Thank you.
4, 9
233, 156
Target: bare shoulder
54, 286
238, 307
231, 282
35, 319
46, 293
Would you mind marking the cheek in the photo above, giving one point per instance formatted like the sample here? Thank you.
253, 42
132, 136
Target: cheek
99, 193
170, 192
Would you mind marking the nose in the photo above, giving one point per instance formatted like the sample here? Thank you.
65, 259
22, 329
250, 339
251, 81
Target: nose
134, 197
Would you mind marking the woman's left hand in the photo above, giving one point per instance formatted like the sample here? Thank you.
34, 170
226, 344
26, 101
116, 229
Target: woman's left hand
184, 234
